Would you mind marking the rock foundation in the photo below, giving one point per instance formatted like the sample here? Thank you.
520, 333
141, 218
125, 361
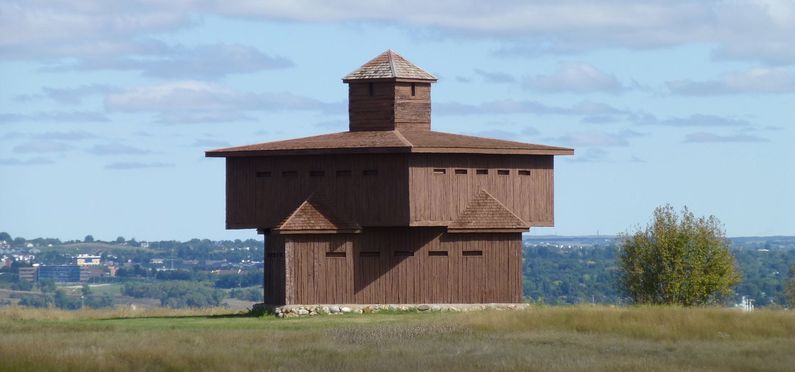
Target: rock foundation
289, 311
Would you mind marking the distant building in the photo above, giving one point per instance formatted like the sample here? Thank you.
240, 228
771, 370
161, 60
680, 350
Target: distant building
28, 274
60, 273
87, 260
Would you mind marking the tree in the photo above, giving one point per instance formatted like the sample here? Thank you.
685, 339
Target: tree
88, 239
120, 240
791, 287
47, 285
5, 237
677, 260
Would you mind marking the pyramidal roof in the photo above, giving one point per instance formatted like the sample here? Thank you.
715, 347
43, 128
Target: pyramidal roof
484, 212
314, 215
389, 65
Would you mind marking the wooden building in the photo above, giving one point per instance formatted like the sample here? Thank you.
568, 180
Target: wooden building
390, 212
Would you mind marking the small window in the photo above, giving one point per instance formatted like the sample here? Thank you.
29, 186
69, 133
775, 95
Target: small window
503, 172
335, 254
370, 172
263, 174
473, 253
317, 173
369, 254
370, 89
524, 172
344, 173
482, 171
437, 253
439, 171
460, 171
403, 253
290, 173
413, 89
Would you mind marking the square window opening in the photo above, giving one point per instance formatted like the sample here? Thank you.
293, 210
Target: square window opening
524, 172
503, 172
482, 171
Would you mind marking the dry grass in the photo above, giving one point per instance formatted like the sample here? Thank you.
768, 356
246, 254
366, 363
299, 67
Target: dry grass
541, 338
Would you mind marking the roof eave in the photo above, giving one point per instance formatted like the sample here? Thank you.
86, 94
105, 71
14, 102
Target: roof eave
381, 80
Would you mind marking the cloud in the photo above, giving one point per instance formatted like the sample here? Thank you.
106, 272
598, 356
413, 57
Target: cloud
75, 135
21, 162
116, 149
574, 78
758, 80
510, 106
137, 165
495, 77
597, 138
179, 62
70, 96
55, 116
695, 120
703, 137
196, 101
744, 29
42, 146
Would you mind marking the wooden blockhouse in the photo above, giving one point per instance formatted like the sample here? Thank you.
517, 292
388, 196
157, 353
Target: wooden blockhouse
390, 212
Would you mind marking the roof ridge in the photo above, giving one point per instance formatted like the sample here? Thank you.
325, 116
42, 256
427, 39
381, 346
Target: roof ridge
294, 212
403, 138
390, 52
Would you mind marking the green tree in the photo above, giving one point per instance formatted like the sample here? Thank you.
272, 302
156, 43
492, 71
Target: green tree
677, 260
120, 240
5, 236
88, 239
791, 287
47, 285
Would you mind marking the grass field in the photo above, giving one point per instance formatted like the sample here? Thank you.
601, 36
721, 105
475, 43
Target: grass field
541, 338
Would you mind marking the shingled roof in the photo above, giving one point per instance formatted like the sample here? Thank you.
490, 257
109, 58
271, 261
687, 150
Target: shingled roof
484, 212
389, 65
389, 141
315, 216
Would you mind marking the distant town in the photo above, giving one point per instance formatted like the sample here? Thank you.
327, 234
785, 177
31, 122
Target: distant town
44, 272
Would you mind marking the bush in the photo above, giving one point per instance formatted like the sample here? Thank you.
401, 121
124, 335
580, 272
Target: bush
677, 260
248, 294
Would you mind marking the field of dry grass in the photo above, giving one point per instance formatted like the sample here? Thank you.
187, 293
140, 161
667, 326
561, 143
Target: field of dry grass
541, 338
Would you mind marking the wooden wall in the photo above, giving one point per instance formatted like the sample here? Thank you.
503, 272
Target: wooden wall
370, 200
389, 105
413, 111
275, 271
440, 197
393, 265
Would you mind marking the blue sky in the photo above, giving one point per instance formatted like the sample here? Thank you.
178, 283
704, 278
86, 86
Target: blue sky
106, 108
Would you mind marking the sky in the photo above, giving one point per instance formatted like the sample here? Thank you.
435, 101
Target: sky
106, 108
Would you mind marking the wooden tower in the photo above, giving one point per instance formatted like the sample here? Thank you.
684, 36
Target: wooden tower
390, 212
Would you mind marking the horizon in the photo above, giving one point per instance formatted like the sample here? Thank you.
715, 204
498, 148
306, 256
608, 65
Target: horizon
107, 109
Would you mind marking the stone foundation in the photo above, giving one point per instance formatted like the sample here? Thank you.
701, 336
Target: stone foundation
289, 311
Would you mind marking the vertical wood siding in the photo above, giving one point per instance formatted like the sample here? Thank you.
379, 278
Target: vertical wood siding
370, 200
439, 198
390, 106
372, 273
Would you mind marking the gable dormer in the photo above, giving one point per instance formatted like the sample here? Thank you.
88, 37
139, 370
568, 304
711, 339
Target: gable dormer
389, 93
